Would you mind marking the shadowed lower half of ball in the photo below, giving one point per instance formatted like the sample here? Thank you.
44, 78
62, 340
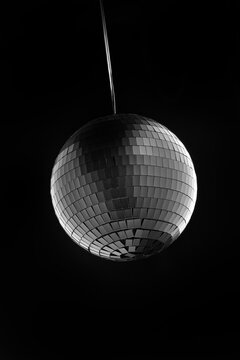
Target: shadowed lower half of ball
123, 187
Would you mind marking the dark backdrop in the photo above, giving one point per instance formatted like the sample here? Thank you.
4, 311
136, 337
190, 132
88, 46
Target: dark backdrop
176, 62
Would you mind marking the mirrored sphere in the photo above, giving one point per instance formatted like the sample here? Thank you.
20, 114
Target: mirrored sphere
123, 187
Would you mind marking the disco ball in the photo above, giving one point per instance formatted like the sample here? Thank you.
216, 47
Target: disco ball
123, 187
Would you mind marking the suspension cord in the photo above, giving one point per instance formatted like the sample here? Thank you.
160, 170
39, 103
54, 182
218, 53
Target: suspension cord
108, 58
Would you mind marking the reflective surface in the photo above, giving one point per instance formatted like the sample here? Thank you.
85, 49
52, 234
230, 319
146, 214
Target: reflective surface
123, 187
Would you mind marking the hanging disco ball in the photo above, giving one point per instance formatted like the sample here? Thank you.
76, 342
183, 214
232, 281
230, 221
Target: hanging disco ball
123, 187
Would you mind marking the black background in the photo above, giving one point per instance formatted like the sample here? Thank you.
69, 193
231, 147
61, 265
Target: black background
176, 62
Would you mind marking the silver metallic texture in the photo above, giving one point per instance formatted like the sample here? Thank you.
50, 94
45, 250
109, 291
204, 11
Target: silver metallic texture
123, 187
